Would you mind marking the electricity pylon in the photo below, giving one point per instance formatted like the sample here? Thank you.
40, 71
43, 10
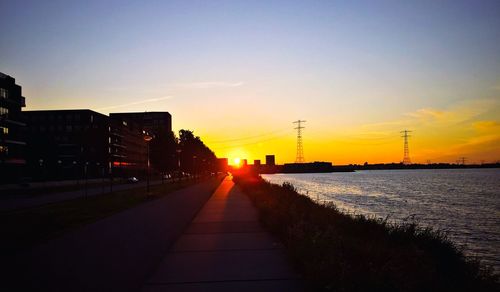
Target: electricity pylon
406, 157
300, 148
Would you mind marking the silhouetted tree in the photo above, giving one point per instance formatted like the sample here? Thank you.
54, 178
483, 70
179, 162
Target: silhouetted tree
163, 152
196, 157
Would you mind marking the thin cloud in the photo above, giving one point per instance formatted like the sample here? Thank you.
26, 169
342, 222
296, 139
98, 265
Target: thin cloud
459, 113
211, 84
136, 102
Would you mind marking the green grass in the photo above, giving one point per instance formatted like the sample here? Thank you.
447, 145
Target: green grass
24, 228
42, 190
340, 252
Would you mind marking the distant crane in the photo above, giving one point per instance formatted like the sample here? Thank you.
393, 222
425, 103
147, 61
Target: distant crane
406, 157
300, 148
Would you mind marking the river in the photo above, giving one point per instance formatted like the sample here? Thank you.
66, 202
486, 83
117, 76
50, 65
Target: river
463, 202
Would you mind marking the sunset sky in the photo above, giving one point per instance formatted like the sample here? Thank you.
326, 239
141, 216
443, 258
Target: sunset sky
239, 73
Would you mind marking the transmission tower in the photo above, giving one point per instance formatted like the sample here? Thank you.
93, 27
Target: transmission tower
300, 149
406, 158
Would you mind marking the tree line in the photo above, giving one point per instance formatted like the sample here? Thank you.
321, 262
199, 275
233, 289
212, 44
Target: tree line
186, 153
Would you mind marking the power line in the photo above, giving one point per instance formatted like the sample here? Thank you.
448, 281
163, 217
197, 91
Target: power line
248, 137
462, 160
250, 143
406, 156
300, 149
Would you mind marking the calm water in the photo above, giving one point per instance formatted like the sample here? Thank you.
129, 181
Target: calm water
463, 202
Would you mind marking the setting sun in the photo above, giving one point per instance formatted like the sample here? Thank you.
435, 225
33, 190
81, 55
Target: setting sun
237, 161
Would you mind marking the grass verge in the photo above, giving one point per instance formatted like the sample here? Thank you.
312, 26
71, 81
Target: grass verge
24, 228
42, 190
339, 252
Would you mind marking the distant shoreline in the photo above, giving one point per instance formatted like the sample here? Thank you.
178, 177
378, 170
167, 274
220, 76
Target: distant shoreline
321, 167
419, 166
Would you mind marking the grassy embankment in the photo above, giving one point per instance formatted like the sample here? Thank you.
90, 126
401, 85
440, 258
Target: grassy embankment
339, 252
24, 228
42, 190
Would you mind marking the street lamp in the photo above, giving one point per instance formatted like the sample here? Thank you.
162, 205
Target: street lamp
76, 174
40, 161
147, 138
194, 166
59, 162
101, 170
179, 163
86, 165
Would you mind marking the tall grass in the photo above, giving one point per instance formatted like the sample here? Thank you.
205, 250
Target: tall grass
340, 252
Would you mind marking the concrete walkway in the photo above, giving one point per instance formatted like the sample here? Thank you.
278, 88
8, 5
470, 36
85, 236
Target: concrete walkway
225, 249
117, 253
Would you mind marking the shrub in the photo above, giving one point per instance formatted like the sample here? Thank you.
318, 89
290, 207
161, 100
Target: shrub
342, 252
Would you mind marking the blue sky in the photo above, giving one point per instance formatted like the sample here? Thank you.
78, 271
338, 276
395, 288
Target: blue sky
236, 68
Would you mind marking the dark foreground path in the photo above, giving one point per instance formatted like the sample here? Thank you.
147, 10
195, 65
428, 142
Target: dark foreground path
117, 253
225, 249
11, 202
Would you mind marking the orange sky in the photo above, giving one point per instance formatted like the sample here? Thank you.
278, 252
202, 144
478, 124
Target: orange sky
239, 72
469, 129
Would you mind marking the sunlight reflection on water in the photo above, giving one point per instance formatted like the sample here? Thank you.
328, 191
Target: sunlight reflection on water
464, 202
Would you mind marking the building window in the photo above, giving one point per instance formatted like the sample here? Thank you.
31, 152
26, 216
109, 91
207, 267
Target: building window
4, 93
4, 111
4, 130
4, 150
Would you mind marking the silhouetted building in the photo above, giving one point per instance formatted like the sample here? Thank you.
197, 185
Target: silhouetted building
152, 122
256, 162
222, 164
12, 141
67, 143
82, 143
270, 160
244, 162
128, 148
311, 167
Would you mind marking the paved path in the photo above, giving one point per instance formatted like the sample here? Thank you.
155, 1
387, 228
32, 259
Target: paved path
18, 202
225, 249
117, 253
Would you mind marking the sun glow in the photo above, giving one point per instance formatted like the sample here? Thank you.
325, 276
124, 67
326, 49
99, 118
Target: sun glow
237, 161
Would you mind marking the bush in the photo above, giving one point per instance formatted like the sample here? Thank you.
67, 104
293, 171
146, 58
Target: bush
341, 252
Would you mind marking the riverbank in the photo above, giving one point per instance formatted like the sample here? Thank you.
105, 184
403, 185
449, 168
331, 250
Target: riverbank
340, 252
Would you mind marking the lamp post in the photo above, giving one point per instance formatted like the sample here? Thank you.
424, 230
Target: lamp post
194, 167
178, 163
101, 170
59, 162
111, 176
75, 173
147, 138
86, 165
40, 161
